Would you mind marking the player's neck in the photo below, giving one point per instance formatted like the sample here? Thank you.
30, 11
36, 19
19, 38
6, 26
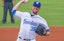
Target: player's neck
33, 13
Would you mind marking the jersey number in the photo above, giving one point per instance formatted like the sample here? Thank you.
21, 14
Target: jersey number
33, 28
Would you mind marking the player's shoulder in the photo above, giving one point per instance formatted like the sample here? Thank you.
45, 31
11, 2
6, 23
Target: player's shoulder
40, 17
27, 13
22, 12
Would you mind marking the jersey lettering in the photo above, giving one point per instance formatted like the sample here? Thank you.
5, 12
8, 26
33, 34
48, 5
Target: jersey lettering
30, 22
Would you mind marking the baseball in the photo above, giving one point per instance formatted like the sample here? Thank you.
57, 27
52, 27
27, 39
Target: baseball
26, 0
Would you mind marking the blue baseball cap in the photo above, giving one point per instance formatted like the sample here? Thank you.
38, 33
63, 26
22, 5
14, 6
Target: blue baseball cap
36, 3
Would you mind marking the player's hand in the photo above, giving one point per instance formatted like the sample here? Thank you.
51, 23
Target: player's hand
24, 1
47, 33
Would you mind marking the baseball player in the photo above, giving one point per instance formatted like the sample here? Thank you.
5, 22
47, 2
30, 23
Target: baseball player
29, 21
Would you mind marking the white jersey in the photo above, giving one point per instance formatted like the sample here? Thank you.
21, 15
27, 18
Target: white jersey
28, 24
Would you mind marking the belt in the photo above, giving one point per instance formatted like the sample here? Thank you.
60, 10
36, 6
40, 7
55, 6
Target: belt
21, 38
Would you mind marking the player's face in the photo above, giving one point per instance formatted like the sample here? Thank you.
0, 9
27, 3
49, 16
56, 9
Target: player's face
35, 9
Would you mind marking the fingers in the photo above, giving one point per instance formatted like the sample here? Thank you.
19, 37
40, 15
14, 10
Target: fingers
47, 33
24, 1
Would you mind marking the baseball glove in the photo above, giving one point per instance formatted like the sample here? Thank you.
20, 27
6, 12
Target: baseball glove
40, 30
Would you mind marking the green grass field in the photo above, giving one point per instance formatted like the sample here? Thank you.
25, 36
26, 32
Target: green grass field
51, 10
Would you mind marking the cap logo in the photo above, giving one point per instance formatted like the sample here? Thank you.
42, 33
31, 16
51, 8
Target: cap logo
37, 2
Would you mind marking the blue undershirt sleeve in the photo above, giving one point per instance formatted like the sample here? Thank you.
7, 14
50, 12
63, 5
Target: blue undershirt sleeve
48, 30
13, 12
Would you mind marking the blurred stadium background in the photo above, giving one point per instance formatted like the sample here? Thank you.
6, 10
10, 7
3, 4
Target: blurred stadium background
51, 10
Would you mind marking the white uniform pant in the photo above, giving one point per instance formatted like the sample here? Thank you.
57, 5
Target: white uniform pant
18, 39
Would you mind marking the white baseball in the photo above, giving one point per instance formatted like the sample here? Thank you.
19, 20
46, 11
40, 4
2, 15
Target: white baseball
26, 0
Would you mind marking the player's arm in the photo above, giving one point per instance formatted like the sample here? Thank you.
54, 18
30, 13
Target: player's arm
17, 5
15, 8
47, 29
47, 32
41, 30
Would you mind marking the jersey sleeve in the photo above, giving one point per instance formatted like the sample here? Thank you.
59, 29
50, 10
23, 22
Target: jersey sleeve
46, 25
19, 14
43, 21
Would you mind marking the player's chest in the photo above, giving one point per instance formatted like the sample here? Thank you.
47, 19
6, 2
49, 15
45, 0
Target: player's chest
29, 21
